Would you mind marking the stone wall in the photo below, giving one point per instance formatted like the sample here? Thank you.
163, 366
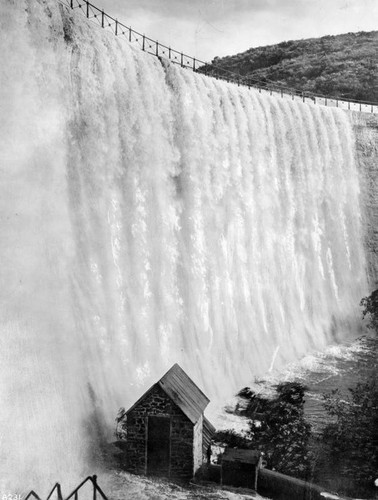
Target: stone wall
181, 447
157, 403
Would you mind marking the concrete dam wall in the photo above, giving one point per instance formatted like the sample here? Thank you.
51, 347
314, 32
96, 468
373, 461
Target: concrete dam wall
365, 126
152, 215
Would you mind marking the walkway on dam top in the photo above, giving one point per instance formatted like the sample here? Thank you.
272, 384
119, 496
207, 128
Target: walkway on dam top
104, 20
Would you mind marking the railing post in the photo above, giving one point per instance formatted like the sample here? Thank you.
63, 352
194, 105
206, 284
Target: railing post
337, 103
102, 18
60, 497
71, 4
325, 101
360, 107
182, 60
130, 30
87, 8
348, 104
144, 42
169, 52
116, 28
194, 64
94, 486
157, 48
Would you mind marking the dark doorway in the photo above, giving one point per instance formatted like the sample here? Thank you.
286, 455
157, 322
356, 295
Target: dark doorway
158, 445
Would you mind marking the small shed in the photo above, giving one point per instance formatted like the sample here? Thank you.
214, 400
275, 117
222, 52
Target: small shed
240, 468
167, 433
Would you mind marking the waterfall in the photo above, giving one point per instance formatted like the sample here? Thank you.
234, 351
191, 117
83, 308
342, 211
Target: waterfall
151, 215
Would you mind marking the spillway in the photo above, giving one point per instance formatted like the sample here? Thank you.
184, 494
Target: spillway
151, 215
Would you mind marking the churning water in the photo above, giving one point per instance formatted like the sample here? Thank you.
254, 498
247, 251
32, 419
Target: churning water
150, 215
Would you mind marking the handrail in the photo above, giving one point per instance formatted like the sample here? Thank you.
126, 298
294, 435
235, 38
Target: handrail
96, 488
74, 493
158, 49
59, 494
32, 494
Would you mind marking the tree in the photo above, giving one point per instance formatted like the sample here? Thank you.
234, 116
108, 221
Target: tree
353, 434
278, 428
370, 310
232, 439
342, 65
121, 425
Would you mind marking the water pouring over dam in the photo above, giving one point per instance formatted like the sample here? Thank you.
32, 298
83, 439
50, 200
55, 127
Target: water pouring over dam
151, 215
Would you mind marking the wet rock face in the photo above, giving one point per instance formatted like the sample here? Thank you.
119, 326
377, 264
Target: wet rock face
366, 131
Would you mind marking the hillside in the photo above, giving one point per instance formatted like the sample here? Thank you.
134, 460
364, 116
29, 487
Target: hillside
342, 65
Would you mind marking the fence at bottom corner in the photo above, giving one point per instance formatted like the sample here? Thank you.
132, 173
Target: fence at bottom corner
57, 489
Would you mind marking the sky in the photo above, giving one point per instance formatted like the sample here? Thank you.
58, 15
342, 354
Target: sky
208, 28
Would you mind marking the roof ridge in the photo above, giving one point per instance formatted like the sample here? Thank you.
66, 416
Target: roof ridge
184, 372
182, 391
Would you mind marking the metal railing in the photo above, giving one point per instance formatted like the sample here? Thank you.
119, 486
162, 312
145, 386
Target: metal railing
104, 20
146, 44
74, 494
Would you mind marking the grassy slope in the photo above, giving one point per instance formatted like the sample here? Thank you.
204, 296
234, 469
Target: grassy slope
342, 65
124, 486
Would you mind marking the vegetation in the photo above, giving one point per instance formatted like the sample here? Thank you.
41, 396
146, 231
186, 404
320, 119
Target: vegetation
342, 65
121, 425
281, 430
344, 456
370, 310
352, 437
277, 428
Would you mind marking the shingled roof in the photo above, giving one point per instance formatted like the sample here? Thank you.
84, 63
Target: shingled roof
182, 391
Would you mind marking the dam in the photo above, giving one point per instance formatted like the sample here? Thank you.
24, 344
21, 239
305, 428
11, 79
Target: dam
152, 215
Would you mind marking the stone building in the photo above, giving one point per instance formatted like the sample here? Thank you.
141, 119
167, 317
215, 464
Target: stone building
167, 433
